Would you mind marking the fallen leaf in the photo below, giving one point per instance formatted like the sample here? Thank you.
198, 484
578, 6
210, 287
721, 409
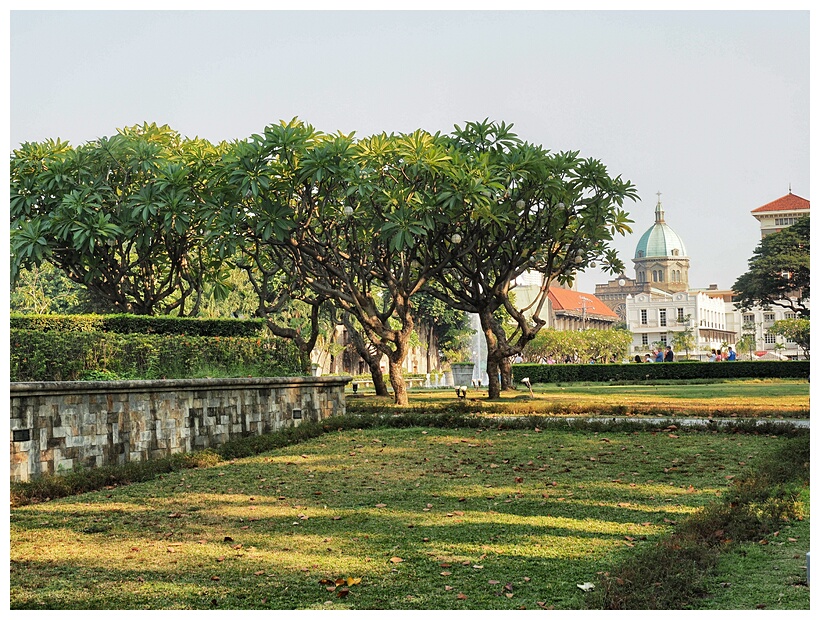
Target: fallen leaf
493, 582
445, 573
343, 593
214, 578
508, 594
448, 588
381, 505
461, 596
395, 559
586, 586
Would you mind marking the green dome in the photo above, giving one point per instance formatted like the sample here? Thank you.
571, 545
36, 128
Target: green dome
660, 240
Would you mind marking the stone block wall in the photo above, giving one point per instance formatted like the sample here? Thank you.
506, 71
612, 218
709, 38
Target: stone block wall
57, 426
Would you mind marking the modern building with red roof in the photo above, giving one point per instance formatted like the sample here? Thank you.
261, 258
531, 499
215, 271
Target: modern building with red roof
780, 213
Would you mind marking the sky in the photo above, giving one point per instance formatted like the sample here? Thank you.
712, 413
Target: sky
708, 107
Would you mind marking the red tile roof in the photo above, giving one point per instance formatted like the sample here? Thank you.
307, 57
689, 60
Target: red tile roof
566, 299
789, 202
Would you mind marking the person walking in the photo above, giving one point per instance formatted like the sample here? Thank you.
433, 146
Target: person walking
659, 355
732, 356
669, 357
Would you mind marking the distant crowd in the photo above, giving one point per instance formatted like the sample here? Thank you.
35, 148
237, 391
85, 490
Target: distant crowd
658, 355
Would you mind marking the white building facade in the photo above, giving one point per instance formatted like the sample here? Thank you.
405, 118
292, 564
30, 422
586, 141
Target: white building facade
655, 317
659, 302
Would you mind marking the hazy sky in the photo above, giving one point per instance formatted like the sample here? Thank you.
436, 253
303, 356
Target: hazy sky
711, 108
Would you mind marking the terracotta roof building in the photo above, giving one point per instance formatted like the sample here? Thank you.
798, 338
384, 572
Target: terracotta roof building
780, 213
571, 310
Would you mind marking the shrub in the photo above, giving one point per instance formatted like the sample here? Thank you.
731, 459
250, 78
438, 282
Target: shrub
68, 356
556, 373
133, 324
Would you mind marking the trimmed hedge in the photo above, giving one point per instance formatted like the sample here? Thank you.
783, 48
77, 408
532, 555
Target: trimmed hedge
75, 355
569, 373
135, 324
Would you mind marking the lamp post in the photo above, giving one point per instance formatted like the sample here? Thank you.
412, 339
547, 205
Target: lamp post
583, 309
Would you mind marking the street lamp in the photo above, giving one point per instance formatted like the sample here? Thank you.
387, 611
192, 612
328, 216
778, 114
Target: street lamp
584, 301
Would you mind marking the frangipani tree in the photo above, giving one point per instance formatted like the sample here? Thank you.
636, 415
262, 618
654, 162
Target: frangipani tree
123, 215
549, 213
360, 223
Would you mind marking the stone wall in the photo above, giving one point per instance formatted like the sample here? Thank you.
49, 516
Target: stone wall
57, 426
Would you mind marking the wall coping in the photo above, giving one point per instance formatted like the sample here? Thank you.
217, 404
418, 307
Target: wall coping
34, 388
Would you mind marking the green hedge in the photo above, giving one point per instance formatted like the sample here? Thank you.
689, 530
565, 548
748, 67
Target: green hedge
75, 355
568, 373
134, 324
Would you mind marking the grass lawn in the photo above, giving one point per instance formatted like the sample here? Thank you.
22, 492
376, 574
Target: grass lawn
770, 398
416, 518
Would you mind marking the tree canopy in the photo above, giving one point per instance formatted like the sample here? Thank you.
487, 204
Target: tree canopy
779, 272
121, 216
319, 224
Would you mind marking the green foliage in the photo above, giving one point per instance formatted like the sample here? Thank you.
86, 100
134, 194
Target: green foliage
796, 330
69, 356
123, 216
136, 324
779, 271
592, 344
684, 340
564, 373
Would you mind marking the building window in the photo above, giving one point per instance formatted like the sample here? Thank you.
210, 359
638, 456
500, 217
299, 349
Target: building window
769, 338
681, 318
768, 317
663, 340
660, 276
643, 317
675, 252
645, 340
748, 320
640, 254
789, 315
784, 221
663, 317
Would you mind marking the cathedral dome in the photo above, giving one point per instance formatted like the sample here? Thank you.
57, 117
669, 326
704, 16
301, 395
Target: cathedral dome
660, 240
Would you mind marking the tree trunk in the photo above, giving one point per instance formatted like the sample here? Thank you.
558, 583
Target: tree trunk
494, 357
505, 366
397, 381
376, 373
369, 354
